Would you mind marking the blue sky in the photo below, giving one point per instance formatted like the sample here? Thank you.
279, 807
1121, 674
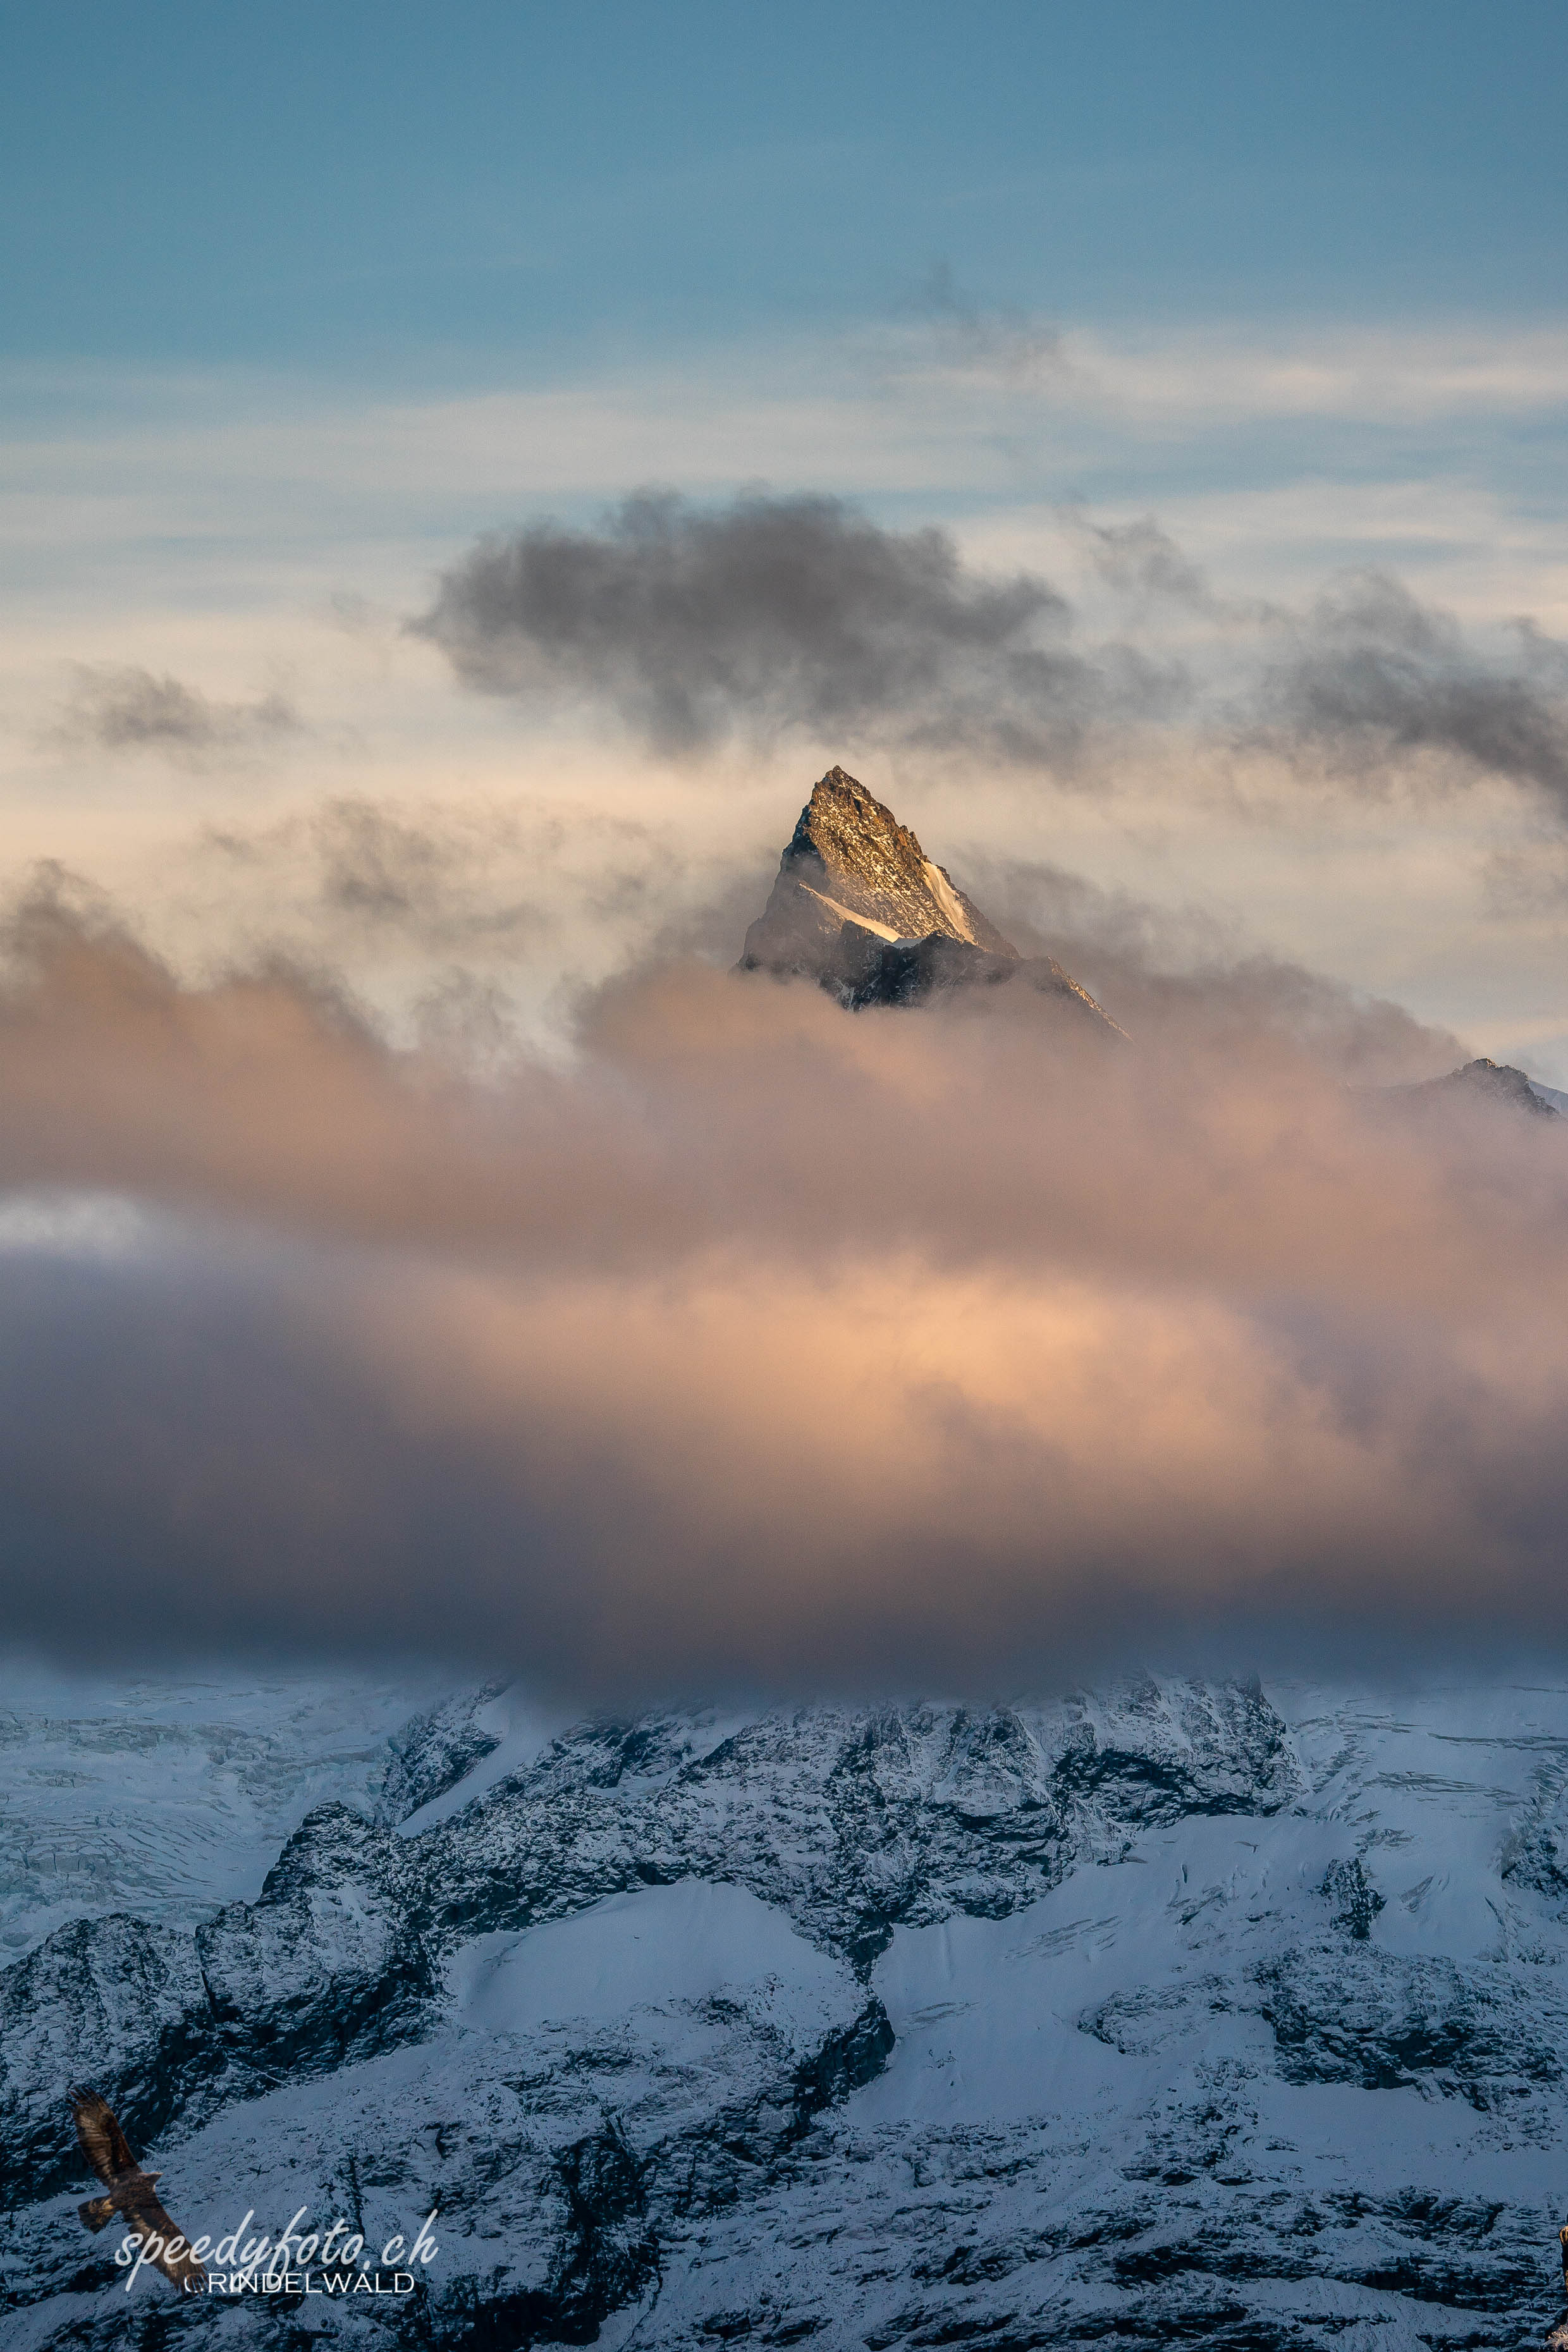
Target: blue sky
412, 188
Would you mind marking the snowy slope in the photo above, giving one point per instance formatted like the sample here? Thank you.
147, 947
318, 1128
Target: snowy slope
1182, 2014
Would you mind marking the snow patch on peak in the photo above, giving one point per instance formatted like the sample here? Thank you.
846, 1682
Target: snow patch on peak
847, 915
951, 905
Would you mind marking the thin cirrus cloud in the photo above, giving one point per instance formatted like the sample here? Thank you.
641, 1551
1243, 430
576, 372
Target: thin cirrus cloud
763, 1344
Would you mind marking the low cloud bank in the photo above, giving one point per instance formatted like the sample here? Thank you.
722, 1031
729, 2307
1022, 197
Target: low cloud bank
766, 1344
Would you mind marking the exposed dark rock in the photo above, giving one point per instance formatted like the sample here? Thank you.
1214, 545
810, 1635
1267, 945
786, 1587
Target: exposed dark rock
1388, 2022
853, 1821
1357, 1902
850, 1821
907, 972
721, 2167
432, 1753
114, 2002
330, 1963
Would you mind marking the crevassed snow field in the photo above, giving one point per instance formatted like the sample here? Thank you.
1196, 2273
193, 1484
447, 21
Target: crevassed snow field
166, 1795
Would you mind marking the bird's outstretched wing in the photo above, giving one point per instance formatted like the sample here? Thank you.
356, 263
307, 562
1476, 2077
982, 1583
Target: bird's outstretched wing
131, 2191
103, 2143
147, 2215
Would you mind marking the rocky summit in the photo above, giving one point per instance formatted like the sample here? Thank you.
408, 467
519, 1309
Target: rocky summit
859, 907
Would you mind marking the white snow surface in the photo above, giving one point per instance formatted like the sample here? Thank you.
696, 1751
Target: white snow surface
660, 1946
847, 914
948, 899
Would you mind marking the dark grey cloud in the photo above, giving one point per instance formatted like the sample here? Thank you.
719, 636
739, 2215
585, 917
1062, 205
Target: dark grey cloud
1364, 678
121, 708
697, 625
1372, 675
772, 612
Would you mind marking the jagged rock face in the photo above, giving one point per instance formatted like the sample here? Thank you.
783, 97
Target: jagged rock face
852, 852
853, 1821
859, 906
1169, 2016
432, 1753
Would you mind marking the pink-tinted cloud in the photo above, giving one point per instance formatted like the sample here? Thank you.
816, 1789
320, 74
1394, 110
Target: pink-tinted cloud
766, 1343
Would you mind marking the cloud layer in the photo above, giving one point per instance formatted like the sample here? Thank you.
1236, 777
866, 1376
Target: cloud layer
762, 1343
697, 625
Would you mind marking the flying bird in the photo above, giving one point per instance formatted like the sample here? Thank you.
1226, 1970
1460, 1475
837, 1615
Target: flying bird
131, 2190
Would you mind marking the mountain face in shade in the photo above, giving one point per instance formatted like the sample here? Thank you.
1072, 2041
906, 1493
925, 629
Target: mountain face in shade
1170, 2014
859, 906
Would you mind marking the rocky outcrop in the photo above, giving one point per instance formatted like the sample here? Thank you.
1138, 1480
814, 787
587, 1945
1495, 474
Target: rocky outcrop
853, 1821
859, 907
331, 1963
114, 2002
1386, 2022
848, 1821
432, 1753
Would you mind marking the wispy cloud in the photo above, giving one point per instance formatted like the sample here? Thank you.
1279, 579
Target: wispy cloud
999, 338
120, 708
1371, 674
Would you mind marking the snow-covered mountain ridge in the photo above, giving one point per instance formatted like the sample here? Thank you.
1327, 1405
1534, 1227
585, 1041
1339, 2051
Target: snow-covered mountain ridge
1183, 2013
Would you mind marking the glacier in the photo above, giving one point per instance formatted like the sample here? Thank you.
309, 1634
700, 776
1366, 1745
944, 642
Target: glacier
1176, 2013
